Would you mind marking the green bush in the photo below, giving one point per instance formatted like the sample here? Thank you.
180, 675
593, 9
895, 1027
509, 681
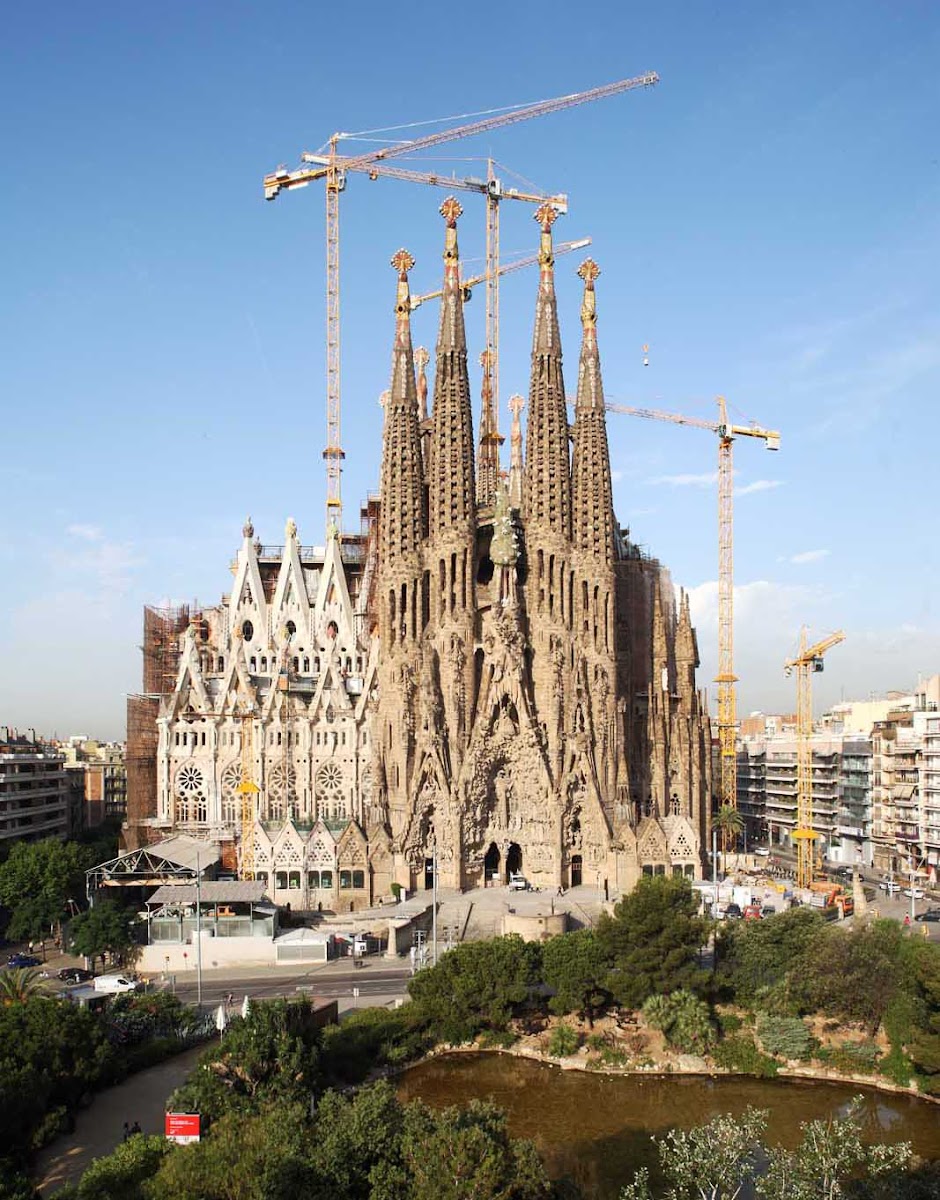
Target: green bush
786, 1036
860, 1058
739, 1053
498, 1039
684, 1019
896, 1066
729, 1023
371, 1038
564, 1041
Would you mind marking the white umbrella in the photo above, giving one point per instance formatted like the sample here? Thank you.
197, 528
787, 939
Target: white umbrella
221, 1020
246, 1008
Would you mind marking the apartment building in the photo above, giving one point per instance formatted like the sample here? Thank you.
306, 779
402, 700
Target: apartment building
98, 770
34, 801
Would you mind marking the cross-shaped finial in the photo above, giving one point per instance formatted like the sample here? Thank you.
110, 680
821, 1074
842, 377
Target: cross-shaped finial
450, 210
589, 270
422, 357
384, 398
516, 404
402, 261
546, 214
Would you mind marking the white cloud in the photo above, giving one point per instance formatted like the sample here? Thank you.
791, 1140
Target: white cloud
88, 533
759, 485
707, 480
616, 475
808, 556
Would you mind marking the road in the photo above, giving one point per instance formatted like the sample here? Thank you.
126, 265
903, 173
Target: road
380, 980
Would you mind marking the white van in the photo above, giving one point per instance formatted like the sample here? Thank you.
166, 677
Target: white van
518, 883
117, 983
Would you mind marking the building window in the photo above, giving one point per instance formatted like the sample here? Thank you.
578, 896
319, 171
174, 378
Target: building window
280, 879
291, 628
248, 630
345, 879
293, 880
359, 879
326, 879
313, 880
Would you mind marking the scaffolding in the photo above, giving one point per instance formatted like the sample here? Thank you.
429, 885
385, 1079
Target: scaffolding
161, 648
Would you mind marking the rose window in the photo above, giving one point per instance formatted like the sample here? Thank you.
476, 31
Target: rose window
330, 791
282, 778
189, 781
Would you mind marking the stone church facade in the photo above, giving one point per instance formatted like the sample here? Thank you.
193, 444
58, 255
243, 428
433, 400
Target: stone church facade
494, 677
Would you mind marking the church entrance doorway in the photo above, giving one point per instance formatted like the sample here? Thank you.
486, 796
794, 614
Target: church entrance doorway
513, 860
576, 865
491, 865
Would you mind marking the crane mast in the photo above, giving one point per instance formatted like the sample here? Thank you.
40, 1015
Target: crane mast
247, 791
806, 664
726, 678
333, 168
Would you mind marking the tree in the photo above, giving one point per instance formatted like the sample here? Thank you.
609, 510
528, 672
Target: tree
653, 940
123, 1174
18, 985
852, 974
729, 823
830, 1154
467, 1152
709, 1162
36, 880
575, 966
271, 1056
107, 928
759, 960
477, 985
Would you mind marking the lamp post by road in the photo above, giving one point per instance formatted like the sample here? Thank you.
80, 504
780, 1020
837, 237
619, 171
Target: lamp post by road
434, 900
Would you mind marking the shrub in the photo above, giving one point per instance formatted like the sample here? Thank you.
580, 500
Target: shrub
373, 1037
729, 1023
498, 1039
786, 1036
859, 1058
896, 1066
684, 1019
564, 1041
739, 1053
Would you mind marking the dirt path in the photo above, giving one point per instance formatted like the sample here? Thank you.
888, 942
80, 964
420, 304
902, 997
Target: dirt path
100, 1128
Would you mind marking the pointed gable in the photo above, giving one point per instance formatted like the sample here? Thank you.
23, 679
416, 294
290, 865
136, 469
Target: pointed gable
290, 601
247, 602
332, 601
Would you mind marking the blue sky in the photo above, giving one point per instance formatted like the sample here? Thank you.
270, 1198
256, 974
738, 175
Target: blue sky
766, 219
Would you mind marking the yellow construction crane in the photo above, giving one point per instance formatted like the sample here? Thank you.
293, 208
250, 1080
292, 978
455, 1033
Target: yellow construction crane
467, 285
726, 678
806, 664
332, 168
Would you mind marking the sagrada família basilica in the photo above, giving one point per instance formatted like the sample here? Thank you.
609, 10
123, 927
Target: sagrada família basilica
492, 677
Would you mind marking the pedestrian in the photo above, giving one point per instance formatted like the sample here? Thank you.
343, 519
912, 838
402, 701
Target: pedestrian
127, 1131
31, 946
907, 920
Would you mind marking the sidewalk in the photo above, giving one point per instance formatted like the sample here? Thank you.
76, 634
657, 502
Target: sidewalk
100, 1127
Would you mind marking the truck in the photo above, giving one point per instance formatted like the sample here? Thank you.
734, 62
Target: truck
833, 901
116, 984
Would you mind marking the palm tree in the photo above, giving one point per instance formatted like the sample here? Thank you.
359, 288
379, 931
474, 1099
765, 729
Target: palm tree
729, 823
20, 984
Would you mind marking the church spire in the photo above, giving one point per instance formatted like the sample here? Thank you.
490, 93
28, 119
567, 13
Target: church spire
592, 492
452, 493
402, 519
516, 405
490, 438
547, 475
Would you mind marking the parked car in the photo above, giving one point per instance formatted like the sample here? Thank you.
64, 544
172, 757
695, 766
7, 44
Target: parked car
23, 960
518, 883
932, 914
768, 910
753, 912
762, 851
75, 975
732, 912
889, 886
915, 893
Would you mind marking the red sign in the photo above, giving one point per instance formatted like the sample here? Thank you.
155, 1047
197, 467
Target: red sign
182, 1127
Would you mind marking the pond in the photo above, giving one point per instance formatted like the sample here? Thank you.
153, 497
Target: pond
596, 1128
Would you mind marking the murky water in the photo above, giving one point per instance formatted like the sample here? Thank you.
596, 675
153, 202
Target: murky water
596, 1128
